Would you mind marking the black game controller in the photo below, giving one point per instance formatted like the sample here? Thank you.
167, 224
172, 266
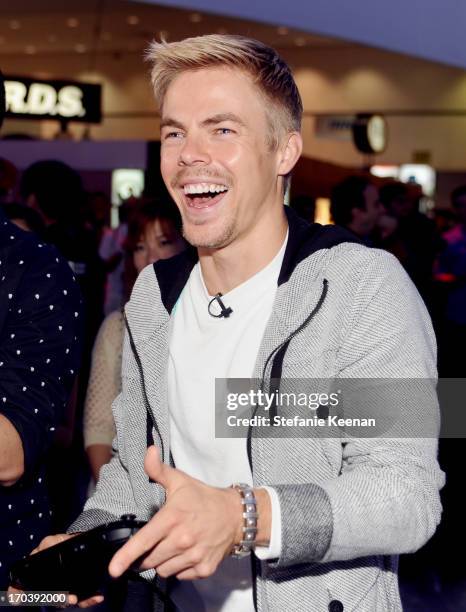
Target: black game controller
79, 565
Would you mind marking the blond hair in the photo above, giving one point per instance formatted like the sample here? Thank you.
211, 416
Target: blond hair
263, 64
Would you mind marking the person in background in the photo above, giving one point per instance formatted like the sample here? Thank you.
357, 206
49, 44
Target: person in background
413, 237
98, 211
457, 233
450, 271
24, 217
40, 340
445, 219
111, 250
110, 241
355, 205
153, 234
450, 277
8, 178
55, 191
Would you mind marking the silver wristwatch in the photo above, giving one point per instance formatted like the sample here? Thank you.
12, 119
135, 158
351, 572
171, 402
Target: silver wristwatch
250, 516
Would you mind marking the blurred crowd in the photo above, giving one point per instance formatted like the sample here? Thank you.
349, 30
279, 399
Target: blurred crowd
431, 248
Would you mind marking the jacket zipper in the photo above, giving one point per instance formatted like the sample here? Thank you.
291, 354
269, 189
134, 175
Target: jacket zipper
278, 355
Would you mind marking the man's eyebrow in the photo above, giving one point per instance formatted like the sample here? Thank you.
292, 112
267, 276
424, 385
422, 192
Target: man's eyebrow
168, 121
214, 120
221, 117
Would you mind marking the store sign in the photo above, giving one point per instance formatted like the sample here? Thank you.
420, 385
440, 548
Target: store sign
334, 127
62, 100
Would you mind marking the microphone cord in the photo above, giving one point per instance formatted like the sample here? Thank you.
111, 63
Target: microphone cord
225, 311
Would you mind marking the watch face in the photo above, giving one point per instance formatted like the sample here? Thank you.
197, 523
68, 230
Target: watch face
377, 133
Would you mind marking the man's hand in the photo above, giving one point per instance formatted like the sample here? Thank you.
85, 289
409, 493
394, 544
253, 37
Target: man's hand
72, 599
191, 534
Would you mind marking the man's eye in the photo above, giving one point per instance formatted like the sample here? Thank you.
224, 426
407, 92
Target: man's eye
224, 130
173, 135
138, 248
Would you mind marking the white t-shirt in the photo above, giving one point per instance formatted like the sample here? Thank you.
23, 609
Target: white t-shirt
203, 348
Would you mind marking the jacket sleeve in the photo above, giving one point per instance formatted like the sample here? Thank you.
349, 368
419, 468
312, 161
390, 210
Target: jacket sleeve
386, 498
124, 474
113, 496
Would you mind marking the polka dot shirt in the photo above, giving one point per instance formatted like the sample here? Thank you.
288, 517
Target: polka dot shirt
40, 337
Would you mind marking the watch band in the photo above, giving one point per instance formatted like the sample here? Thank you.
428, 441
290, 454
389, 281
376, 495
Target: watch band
250, 516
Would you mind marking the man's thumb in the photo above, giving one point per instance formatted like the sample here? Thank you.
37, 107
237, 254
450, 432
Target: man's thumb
160, 472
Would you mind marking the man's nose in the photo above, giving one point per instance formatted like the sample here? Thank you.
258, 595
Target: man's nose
194, 151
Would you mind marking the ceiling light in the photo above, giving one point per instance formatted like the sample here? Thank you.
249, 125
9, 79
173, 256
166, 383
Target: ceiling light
80, 48
14, 24
72, 22
195, 18
283, 31
133, 20
300, 41
30, 49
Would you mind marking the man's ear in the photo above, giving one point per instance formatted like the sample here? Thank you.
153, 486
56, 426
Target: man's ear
290, 152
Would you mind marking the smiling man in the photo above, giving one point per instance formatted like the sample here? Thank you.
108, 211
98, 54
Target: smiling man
310, 523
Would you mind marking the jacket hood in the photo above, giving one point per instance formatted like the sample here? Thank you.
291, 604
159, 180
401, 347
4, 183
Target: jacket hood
303, 240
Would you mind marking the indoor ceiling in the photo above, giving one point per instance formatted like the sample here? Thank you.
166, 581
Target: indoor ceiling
95, 27
429, 29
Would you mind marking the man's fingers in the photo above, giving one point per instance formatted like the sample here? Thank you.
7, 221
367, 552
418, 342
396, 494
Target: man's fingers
172, 546
92, 601
49, 541
143, 541
175, 565
170, 478
201, 570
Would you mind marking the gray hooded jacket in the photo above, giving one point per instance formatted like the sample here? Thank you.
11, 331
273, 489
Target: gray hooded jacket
349, 505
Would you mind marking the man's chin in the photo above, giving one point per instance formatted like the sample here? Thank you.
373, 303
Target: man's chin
206, 238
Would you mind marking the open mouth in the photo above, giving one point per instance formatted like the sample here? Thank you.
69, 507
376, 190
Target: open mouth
203, 195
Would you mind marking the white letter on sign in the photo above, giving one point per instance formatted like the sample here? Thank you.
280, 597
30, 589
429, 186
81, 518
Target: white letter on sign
41, 99
70, 102
15, 92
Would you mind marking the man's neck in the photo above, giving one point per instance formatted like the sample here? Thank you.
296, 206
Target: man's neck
227, 268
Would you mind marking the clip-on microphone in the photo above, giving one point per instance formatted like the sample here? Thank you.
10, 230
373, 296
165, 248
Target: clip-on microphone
225, 311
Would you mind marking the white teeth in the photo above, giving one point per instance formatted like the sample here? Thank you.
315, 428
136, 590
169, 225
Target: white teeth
195, 188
